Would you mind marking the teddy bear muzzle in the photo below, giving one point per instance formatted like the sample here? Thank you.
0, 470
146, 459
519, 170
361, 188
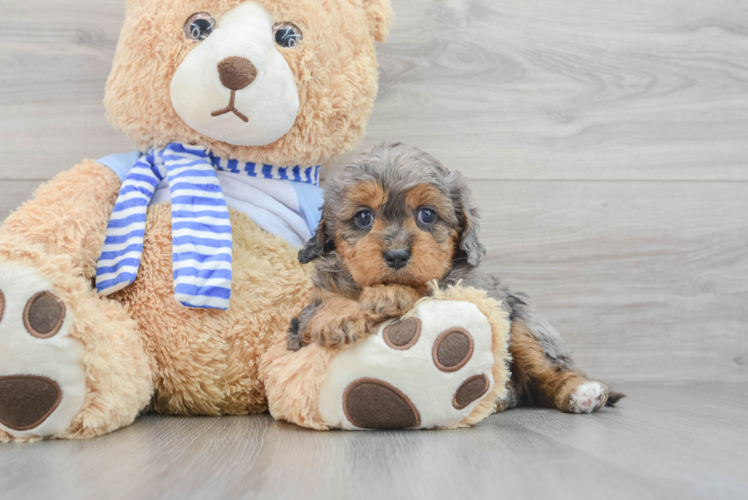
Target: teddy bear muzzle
235, 85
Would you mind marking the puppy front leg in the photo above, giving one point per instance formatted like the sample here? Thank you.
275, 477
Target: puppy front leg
336, 321
383, 302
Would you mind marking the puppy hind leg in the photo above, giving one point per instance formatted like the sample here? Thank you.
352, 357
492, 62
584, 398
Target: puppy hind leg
547, 380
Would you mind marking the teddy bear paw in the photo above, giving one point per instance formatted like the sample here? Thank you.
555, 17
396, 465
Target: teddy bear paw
429, 369
42, 379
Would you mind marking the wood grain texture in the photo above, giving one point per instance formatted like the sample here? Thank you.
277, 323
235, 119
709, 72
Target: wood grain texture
645, 280
656, 445
14, 193
514, 90
578, 89
605, 140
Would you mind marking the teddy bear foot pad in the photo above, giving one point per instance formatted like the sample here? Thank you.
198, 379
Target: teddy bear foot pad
42, 379
429, 369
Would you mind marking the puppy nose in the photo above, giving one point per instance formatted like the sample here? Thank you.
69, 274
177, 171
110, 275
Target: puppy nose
396, 259
236, 73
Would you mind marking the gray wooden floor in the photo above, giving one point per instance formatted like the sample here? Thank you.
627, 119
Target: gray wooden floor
678, 442
607, 144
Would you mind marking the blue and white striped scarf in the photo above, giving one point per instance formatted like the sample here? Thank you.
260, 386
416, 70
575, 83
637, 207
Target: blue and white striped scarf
201, 228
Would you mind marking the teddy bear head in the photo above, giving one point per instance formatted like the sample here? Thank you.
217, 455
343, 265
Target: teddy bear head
282, 82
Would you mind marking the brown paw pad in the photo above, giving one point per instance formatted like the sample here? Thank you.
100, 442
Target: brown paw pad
44, 315
27, 400
470, 390
403, 334
452, 349
370, 403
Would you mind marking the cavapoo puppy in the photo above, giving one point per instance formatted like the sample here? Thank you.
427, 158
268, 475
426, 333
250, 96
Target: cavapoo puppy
394, 220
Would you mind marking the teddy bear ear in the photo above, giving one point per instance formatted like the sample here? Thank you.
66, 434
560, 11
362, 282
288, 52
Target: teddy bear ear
380, 14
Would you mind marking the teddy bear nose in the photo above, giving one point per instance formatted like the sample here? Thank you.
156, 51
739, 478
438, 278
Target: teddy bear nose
396, 259
236, 73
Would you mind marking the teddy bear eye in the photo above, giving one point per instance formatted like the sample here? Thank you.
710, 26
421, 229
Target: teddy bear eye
426, 216
364, 219
199, 26
287, 35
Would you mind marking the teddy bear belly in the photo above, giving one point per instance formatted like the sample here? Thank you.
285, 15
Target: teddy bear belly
205, 362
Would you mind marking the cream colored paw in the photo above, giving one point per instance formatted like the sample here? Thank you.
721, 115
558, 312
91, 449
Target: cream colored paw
42, 378
429, 369
588, 397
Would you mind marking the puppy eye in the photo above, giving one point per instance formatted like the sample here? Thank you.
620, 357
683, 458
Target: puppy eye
364, 219
199, 26
426, 216
287, 35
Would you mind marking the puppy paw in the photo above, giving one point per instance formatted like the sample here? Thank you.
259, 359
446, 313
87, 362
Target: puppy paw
336, 330
588, 397
388, 301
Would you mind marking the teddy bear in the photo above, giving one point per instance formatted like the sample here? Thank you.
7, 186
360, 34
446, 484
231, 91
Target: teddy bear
157, 279
166, 279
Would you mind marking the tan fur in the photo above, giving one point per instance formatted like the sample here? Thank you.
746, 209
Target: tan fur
347, 319
141, 342
530, 362
430, 259
428, 195
500, 325
388, 301
65, 222
364, 259
339, 321
335, 71
364, 194
118, 375
294, 379
389, 291
206, 362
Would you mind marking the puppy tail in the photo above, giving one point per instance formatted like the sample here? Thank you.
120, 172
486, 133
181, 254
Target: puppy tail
614, 397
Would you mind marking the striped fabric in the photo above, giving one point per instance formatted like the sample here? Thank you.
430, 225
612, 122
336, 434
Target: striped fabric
310, 175
201, 228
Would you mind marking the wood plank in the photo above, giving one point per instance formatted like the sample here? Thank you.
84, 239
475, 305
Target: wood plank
653, 446
645, 280
56, 57
505, 90
13, 194
570, 90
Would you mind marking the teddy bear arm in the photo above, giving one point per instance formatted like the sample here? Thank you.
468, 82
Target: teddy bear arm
69, 214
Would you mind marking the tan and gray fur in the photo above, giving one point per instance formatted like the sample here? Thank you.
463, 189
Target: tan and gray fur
358, 284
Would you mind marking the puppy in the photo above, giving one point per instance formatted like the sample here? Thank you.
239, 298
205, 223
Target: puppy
393, 221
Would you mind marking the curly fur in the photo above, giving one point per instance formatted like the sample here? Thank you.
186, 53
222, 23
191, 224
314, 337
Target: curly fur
384, 180
118, 372
334, 68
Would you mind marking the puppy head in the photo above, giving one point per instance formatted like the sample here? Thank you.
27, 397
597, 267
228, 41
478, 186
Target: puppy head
396, 215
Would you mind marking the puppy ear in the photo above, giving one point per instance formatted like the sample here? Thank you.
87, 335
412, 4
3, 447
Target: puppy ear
468, 216
469, 242
315, 247
379, 13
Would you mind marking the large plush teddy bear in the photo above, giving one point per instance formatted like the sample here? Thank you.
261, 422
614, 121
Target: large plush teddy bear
167, 278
